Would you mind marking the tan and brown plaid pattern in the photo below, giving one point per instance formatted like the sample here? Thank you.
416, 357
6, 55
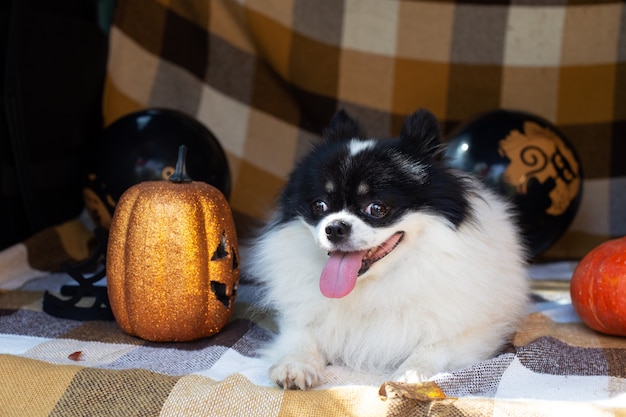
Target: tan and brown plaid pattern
556, 366
266, 75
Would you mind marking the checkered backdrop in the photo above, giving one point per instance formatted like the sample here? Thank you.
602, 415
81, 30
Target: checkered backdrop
266, 75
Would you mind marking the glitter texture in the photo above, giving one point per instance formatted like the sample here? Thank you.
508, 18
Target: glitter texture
162, 240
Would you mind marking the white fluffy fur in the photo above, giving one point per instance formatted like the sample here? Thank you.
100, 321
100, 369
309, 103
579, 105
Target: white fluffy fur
442, 300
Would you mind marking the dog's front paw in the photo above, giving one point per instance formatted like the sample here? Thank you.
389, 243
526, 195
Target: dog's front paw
294, 372
411, 376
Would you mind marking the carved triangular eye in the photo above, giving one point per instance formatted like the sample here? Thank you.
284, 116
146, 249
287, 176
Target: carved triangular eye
235, 259
221, 251
220, 291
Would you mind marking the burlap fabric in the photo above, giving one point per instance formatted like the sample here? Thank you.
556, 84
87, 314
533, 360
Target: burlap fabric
555, 366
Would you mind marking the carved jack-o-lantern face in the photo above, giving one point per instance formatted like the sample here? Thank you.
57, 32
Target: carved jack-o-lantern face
172, 260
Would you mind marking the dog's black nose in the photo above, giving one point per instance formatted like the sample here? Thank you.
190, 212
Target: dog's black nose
337, 231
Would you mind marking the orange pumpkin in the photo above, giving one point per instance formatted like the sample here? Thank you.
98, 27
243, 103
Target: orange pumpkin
172, 259
598, 288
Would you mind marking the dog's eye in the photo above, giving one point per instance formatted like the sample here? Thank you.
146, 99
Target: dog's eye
377, 210
319, 207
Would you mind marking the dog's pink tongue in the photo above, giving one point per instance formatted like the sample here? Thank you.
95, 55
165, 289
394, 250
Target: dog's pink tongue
340, 273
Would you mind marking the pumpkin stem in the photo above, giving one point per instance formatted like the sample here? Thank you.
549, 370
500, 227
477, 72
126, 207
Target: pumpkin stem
180, 174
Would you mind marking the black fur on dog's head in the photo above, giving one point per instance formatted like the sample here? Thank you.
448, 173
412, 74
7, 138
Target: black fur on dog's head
376, 180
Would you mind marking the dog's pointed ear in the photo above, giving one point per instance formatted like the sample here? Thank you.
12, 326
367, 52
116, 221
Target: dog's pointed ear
420, 133
342, 127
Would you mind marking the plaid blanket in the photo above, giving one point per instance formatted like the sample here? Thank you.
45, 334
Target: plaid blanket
57, 367
266, 75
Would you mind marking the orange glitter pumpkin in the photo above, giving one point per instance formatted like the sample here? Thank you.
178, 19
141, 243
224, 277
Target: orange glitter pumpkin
172, 259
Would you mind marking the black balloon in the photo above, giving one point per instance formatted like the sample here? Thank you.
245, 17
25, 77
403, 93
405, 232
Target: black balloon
526, 159
143, 146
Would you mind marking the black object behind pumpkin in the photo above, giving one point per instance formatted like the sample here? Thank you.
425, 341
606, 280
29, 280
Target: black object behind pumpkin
143, 146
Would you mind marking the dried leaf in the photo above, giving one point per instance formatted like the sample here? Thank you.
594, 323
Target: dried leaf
423, 391
76, 356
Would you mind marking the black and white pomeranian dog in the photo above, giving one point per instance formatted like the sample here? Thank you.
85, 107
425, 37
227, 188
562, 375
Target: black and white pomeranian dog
381, 258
